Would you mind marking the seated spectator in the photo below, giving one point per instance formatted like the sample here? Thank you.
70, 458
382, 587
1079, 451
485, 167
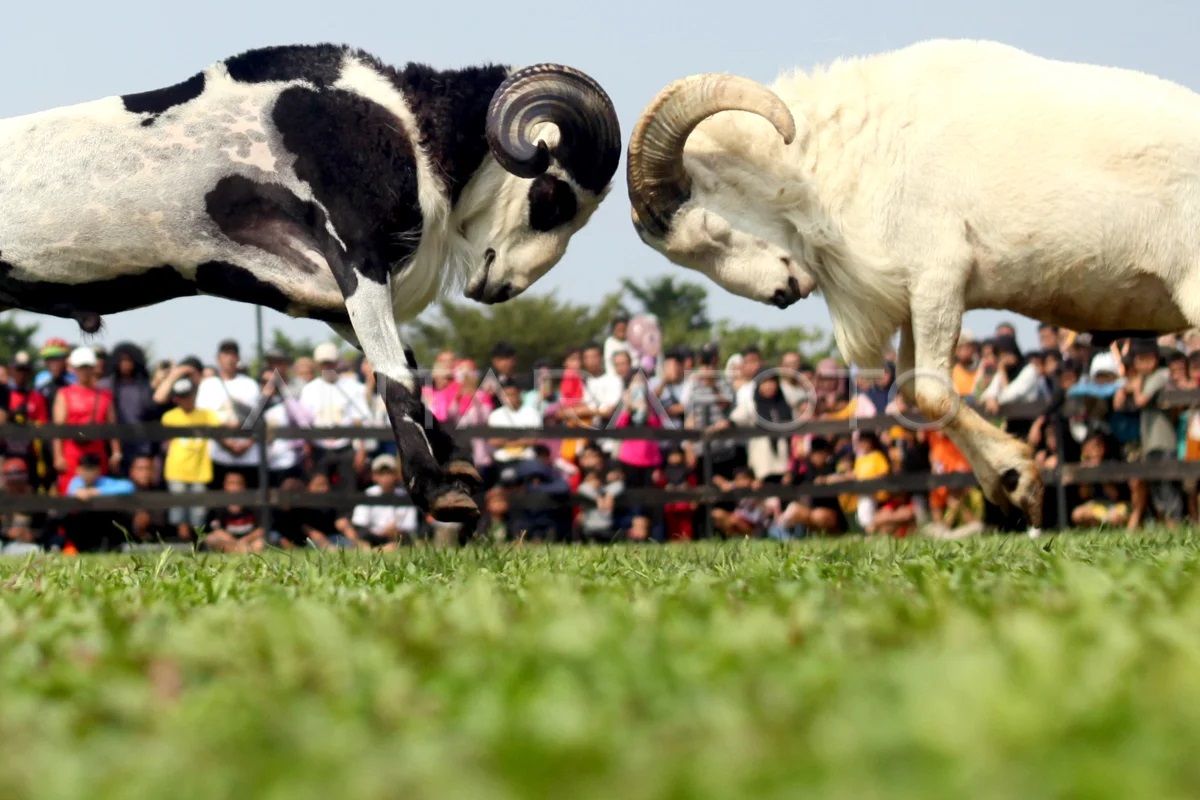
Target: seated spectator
512, 414
958, 516
496, 523
641, 529
870, 463
151, 525
383, 527
188, 466
234, 528
813, 514
96, 530
596, 522
1100, 504
750, 516
300, 527
678, 515
548, 519
20, 531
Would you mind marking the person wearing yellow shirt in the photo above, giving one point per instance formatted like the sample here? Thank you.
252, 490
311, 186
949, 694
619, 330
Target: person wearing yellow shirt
188, 466
870, 463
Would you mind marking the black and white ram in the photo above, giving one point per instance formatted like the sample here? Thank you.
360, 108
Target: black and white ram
911, 186
318, 181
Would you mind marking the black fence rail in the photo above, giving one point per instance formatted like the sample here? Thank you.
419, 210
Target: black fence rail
266, 498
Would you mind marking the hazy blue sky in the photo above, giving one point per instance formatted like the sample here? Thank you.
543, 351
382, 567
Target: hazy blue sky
53, 54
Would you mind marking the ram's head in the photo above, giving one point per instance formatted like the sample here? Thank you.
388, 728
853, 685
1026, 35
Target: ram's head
555, 141
713, 213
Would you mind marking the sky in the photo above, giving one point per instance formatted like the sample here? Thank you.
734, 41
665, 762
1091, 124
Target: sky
54, 54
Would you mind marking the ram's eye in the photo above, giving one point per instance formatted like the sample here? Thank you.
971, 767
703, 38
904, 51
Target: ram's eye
551, 203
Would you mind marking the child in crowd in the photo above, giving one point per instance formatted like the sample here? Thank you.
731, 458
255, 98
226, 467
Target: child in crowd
596, 522
383, 527
188, 465
234, 528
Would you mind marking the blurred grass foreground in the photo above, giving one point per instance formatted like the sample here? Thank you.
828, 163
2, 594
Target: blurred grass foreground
995, 667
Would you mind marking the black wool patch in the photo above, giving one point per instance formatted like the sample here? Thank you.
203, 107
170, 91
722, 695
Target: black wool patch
361, 168
107, 296
551, 203
320, 64
269, 217
230, 281
156, 101
451, 110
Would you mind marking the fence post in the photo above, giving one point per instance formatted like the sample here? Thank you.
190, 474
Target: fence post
264, 475
1060, 489
707, 467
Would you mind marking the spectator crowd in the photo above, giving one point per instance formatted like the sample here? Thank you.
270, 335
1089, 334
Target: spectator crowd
1099, 402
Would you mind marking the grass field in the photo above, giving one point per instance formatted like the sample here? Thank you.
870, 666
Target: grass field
989, 668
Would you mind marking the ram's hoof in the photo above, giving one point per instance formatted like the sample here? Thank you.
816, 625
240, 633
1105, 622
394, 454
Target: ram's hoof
464, 471
455, 506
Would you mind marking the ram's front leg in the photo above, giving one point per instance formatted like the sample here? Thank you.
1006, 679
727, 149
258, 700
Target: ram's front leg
423, 445
1004, 466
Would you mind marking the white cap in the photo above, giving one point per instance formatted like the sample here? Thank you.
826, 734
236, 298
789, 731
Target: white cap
383, 461
325, 352
82, 357
1103, 362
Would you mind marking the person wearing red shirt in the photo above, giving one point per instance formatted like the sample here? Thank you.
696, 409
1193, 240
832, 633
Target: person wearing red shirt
26, 406
83, 403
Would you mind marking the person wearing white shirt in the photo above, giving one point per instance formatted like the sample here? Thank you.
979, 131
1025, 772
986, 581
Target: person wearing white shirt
233, 397
602, 390
333, 401
383, 527
512, 414
617, 343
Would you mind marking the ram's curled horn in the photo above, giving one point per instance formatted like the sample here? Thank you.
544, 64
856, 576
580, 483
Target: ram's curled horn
589, 145
658, 183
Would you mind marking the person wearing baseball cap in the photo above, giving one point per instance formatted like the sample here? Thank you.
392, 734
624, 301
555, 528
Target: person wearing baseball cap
55, 375
188, 465
24, 406
382, 526
83, 403
333, 401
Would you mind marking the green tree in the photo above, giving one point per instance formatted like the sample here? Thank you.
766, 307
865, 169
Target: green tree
538, 326
681, 307
292, 348
14, 337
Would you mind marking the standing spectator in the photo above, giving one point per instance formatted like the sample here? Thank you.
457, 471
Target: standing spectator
234, 528
132, 397
25, 406
668, 388
1049, 339
188, 466
473, 407
603, 389
795, 387
617, 342
1157, 428
303, 371
768, 456
83, 403
168, 374
232, 396
503, 365
382, 526
333, 401
279, 364
748, 370
709, 401
966, 364
1006, 330
512, 414
442, 390
282, 409
54, 376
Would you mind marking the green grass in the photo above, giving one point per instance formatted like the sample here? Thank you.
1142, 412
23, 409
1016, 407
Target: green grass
998, 667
